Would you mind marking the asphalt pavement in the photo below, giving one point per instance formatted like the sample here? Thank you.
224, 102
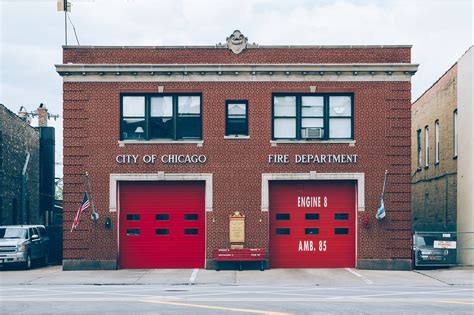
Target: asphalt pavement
50, 290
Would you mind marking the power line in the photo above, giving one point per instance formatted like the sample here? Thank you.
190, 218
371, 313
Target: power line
73, 28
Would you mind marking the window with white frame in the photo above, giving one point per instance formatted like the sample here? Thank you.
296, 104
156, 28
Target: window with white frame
427, 147
313, 116
436, 141
162, 116
455, 136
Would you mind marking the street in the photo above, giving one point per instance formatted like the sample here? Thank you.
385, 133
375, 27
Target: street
279, 291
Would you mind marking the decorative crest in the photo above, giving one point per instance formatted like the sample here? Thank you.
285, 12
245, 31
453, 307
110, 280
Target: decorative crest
237, 42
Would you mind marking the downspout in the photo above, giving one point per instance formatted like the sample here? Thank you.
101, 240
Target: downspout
23, 188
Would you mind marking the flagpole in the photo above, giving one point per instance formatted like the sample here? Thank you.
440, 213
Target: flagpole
384, 183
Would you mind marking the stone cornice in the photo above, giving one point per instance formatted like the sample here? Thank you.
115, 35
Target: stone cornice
235, 72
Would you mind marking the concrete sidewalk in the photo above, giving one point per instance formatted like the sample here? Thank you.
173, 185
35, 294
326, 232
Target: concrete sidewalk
54, 275
451, 276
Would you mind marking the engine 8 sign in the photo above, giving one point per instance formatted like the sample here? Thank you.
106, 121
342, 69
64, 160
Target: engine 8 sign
312, 224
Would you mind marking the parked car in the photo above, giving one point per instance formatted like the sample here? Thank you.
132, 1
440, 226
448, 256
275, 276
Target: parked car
23, 244
434, 249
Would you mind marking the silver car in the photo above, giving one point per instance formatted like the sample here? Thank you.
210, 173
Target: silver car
23, 244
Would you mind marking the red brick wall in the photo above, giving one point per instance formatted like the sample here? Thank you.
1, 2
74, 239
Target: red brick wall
224, 56
382, 134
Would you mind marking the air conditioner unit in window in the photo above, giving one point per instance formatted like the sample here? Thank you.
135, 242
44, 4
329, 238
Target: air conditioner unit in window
313, 133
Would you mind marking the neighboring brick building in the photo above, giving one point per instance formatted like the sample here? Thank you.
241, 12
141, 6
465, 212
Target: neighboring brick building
442, 167
26, 167
296, 138
434, 177
19, 170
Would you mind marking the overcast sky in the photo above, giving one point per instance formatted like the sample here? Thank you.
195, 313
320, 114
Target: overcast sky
32, 32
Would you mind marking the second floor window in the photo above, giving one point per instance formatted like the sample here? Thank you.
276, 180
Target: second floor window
169, 117
437, 141
455, 135
236, 118
427, 147
312, 117
418, 147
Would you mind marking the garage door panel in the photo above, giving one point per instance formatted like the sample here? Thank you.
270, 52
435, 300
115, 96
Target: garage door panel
171, 220
320, 219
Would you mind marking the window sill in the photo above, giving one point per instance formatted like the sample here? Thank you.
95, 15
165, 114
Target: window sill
237, 137
198, 143
274, 143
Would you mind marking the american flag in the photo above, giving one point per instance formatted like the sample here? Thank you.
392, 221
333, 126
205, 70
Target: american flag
84, 205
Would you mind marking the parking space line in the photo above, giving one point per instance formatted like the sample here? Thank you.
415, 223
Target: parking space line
220, 308
192, 279
365, 279
466, 302
403, 293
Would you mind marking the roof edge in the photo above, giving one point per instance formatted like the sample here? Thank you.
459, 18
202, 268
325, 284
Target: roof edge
224, 48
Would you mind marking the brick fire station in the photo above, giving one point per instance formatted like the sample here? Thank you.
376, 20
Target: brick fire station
293, 139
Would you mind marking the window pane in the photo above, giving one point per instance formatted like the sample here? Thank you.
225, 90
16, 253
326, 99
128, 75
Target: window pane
341, 231
162, 217
133, 217
312, 216
161, 128
237, 127
312, 106
189, 127
455, 127
285, 128
237, 109
161, 106
133, 106
341, 216
340, 106
282, 231
312, 122
190, 217
427, 147
133, 128
282, 216
437, 141
285, 106
162, 231
191, 231
189, 105
311, 231
418, 143
133, 231
340, 128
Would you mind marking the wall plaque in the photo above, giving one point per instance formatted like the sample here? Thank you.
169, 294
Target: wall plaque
237, 230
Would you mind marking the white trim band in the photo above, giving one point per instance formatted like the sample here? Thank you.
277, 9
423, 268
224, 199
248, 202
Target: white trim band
359, 177
235, 72
160, 176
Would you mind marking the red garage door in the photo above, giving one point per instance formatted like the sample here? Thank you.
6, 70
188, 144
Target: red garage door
312, 224
162, 225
